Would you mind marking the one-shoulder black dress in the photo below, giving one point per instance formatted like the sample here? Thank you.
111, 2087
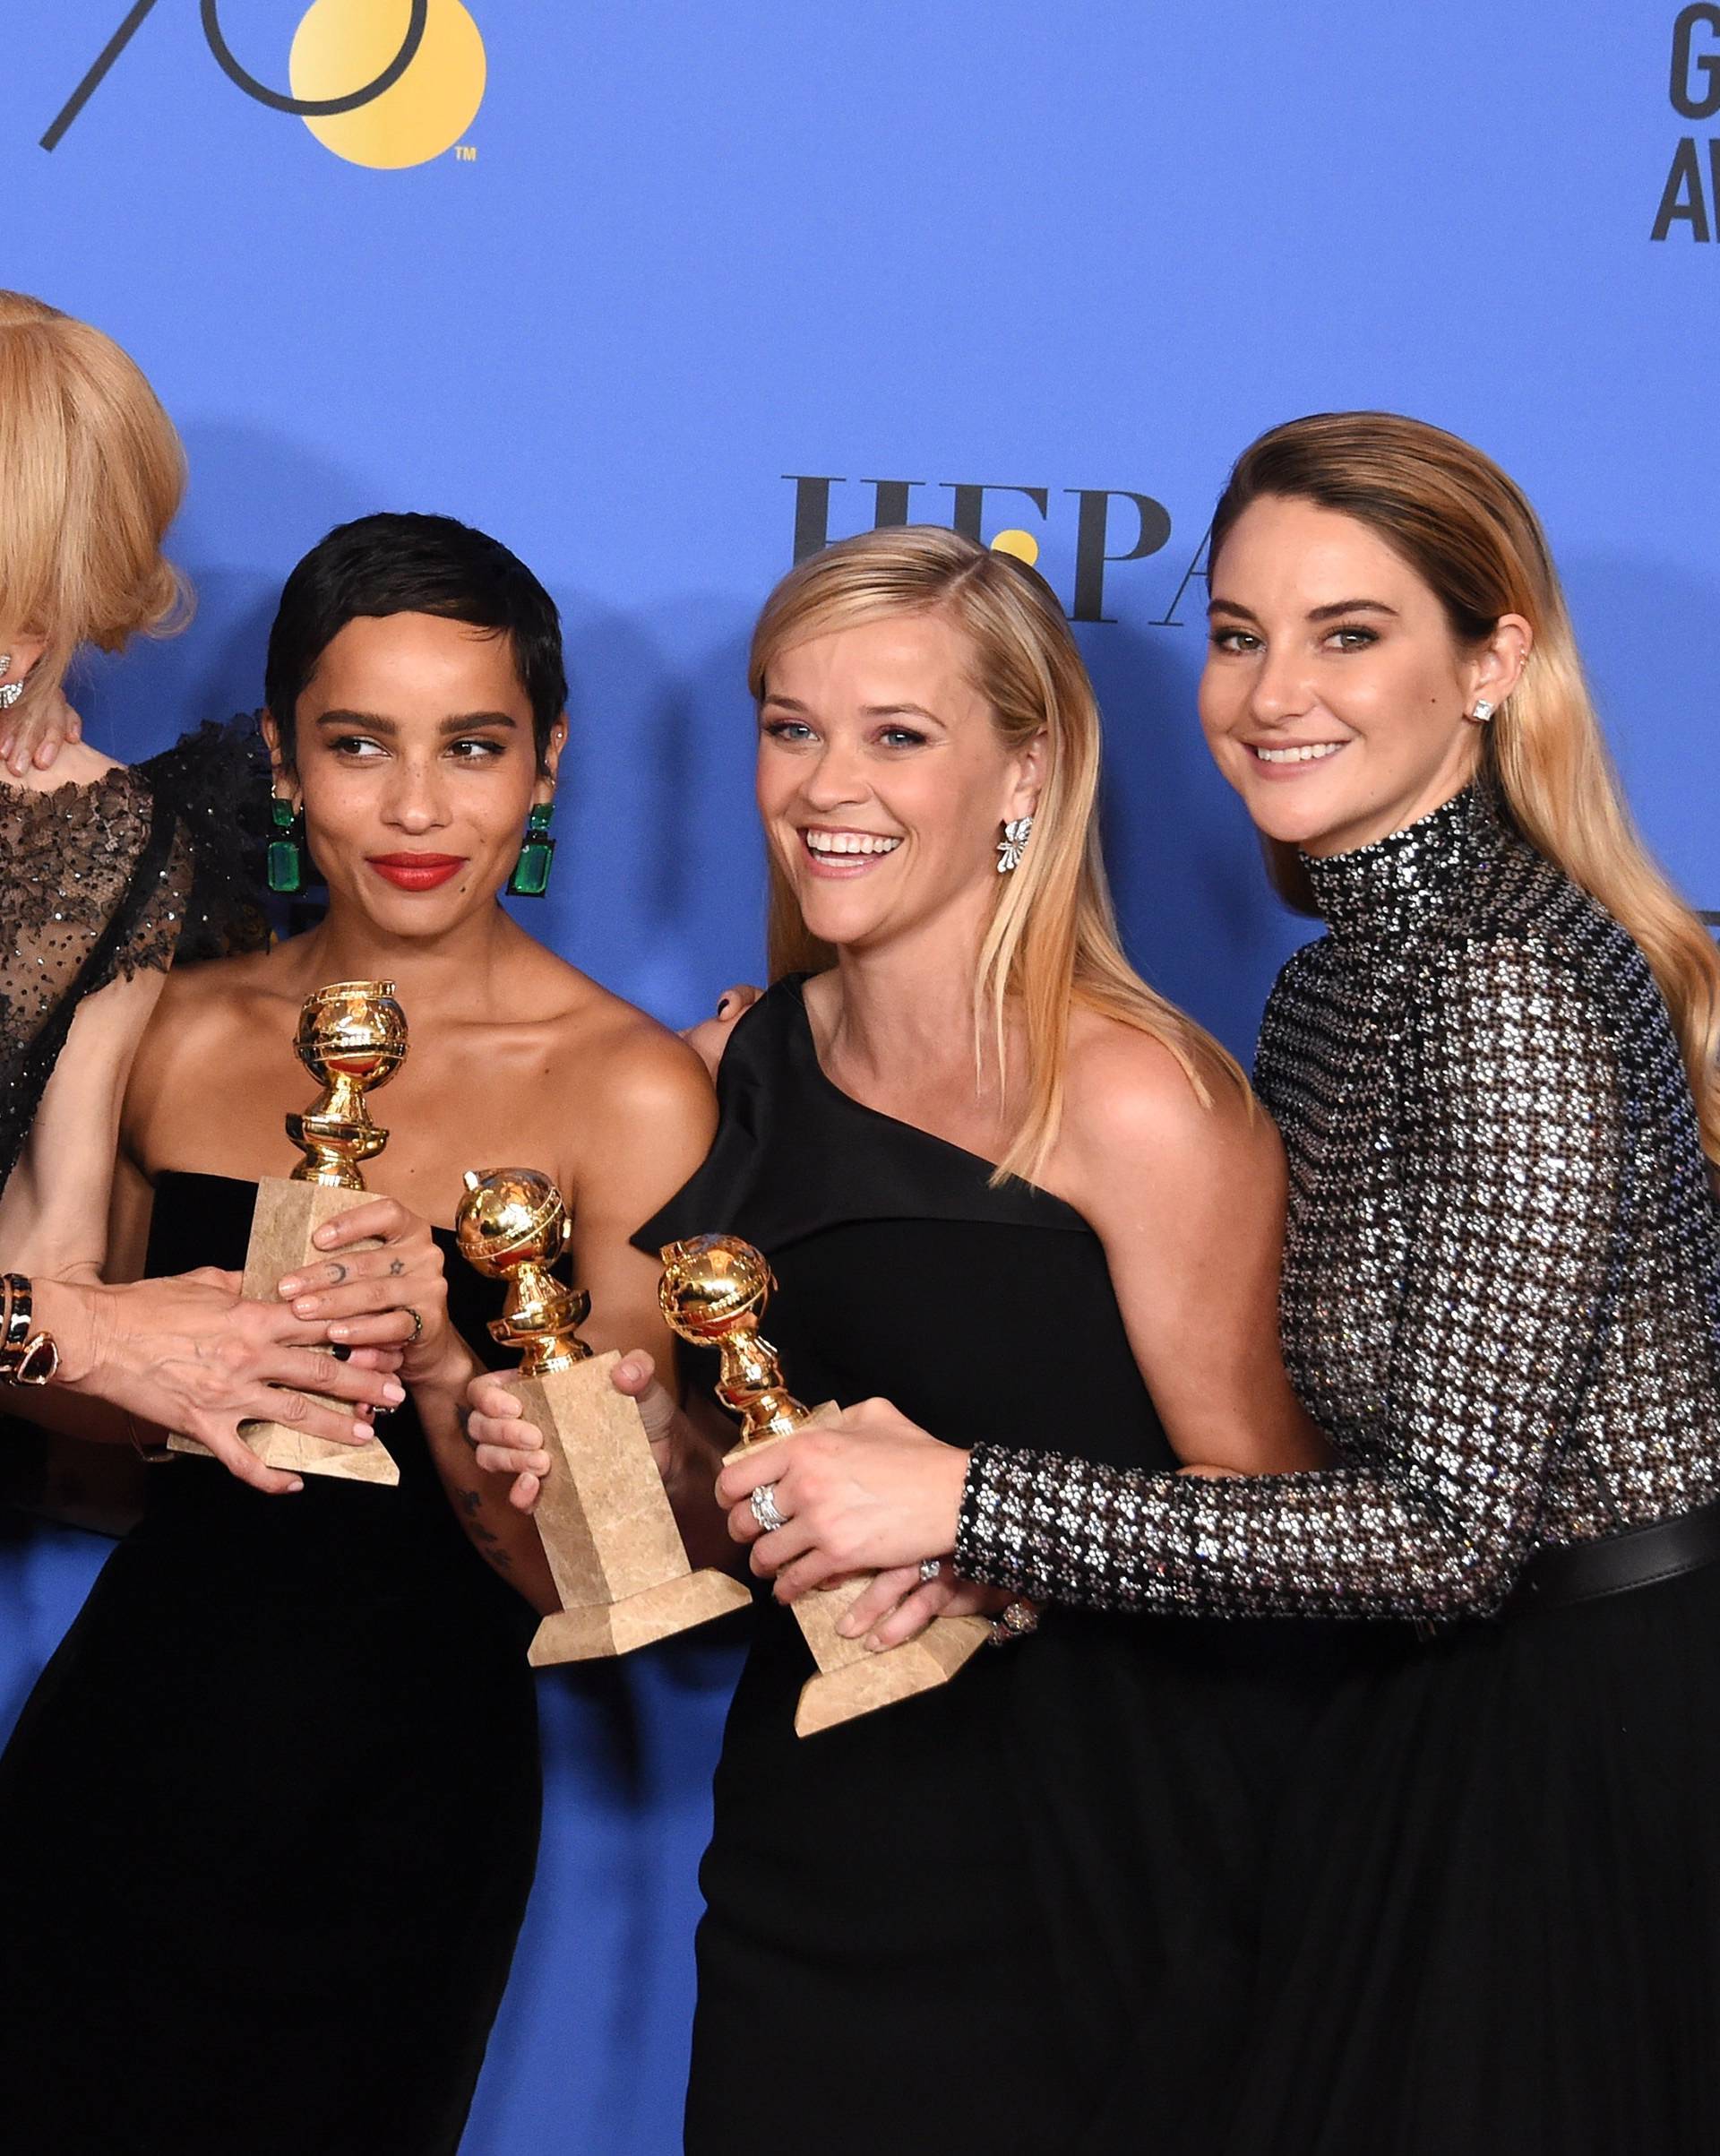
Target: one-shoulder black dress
268, 1819
949, 1923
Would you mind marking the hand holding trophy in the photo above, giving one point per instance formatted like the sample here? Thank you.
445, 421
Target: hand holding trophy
713, 1292
607, 1529
351, 1037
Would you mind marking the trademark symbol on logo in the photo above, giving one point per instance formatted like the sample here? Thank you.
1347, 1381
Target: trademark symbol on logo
465, 153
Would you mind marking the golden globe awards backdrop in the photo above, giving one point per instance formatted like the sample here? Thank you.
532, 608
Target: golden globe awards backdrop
666, 295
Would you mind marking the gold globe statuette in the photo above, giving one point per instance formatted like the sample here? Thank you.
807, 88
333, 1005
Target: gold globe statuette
713, 1292
607, 1529
351, 1037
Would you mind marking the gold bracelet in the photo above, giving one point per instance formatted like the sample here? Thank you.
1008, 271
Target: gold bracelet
28, 1357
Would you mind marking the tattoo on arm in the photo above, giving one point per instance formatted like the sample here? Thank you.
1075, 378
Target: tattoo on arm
476, 1526
488, 1542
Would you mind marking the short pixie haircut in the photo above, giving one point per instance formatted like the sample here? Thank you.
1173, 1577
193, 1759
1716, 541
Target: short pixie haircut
397, 564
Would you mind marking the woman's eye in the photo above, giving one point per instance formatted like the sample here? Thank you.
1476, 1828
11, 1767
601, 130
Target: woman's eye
1354, 638
475, 751
787, 729
357, 745
901, 737
1234, 640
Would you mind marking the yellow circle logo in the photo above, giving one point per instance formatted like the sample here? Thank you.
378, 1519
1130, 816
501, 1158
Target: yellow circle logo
344, 43
1021, 544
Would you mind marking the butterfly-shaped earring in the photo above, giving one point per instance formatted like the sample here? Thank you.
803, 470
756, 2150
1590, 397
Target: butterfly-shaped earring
1013, 844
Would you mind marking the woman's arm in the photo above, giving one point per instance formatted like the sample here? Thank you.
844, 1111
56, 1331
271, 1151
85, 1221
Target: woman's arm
54, 1209
1514, 1157
1189, 1203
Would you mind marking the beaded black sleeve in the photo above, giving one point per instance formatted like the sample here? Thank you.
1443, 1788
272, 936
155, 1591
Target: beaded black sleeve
1501, 1286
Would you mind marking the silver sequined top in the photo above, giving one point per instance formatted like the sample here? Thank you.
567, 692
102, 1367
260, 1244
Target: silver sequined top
1501, 1284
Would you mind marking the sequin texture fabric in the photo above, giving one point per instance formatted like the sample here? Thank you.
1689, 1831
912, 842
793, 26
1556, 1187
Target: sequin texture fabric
1501, 1284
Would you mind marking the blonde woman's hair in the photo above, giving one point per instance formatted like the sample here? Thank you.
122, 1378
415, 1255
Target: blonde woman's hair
1053, 940
1468, 531
93, 474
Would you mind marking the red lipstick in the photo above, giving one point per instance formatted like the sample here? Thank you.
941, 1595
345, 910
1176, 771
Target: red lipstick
417, 871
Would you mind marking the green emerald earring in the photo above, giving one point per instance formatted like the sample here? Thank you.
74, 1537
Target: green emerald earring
530, 877
285, 860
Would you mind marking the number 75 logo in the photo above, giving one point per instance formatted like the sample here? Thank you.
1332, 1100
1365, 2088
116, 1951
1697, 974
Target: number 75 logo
419, 66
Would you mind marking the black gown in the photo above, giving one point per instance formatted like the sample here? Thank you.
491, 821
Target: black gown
1492, 1927
268, 1819
946, 1923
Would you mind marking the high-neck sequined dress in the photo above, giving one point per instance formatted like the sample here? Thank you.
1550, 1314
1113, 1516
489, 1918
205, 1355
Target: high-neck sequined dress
1496, 1918
944, 1924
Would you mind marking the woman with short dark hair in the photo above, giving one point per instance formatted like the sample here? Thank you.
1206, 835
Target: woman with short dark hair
239, 1909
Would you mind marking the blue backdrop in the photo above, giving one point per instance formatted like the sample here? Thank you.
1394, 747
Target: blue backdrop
651, 290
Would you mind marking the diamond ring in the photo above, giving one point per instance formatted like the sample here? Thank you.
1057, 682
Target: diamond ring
763, 1503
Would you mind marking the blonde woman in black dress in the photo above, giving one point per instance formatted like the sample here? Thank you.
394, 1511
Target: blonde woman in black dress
995, 1172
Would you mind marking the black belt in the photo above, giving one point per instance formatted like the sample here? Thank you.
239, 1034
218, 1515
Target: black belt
1580, 1571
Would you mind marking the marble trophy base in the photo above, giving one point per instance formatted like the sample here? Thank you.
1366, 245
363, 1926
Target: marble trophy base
606, 1526
288, 1215
853, 1680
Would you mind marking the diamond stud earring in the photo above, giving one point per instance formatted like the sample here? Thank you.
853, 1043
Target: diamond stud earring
1483, 711
10, 691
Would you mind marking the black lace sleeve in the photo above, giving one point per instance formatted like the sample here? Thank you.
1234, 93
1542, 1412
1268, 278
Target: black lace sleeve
133, 871
215, 782
1514, 1131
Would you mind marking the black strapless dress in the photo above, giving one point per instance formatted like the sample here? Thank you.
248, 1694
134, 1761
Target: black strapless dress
1016, 1913
269, 1820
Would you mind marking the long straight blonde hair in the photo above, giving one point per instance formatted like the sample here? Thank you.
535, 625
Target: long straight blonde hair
1052, 944
94, 474
1469, 532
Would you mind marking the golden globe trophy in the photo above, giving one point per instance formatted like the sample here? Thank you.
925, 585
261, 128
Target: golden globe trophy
351, 1037
607, 1529
713, 1291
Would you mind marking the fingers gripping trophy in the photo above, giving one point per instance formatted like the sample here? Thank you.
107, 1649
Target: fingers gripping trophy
351, 1037
608, 1532
713, 1292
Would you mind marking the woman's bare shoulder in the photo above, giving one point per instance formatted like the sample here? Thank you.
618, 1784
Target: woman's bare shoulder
1131, 1109
207, 1012
622, 1052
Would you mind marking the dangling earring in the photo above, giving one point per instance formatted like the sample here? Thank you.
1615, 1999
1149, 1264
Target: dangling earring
285, 868
530, 877
1013, 844
1483, 711
10, 691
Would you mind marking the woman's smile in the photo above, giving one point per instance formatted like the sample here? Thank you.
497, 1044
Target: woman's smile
838, 853
417, 871
1290, 759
